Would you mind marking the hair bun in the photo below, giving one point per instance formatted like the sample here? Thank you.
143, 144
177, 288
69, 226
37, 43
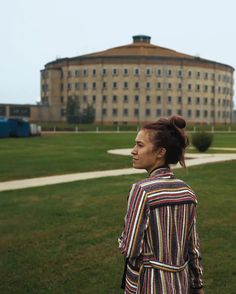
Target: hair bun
178, 121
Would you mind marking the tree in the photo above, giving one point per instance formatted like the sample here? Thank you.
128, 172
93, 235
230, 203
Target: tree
72, 111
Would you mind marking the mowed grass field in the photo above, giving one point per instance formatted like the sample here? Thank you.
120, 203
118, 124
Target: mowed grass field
63, 238
68, 153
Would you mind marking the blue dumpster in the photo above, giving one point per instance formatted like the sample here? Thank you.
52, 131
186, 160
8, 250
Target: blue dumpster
19, 128
4, 128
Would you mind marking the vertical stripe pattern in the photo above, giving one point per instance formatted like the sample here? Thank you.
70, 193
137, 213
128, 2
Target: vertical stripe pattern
160, 237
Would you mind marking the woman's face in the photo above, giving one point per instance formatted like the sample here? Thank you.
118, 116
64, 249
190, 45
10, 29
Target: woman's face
145, 156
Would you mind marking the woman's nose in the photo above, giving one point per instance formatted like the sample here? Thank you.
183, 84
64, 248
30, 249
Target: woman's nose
133, 151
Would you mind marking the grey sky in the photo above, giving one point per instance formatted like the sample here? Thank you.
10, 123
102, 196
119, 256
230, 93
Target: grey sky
36, 32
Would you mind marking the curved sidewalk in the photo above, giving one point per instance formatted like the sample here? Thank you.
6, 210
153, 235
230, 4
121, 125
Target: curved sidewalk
191, 159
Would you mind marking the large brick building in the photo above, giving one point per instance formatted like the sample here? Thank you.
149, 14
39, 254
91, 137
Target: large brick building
139, 82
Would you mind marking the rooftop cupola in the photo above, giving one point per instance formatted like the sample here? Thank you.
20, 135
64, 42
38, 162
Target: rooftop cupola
141, 39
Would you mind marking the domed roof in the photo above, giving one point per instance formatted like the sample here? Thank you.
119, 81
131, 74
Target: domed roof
141, 46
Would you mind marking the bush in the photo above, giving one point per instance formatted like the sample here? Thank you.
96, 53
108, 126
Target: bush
201, 140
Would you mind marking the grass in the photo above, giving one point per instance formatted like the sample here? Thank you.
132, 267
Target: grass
63, 238
69, 153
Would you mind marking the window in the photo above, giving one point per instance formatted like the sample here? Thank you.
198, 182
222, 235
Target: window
213, 76
197, 87
148, 86
125, 98
159, 72
94, 72
197, 113
205, 113
84, 86
104, 85
114, 85
148, 99
85, 99
69, 74
62, 87
85, 72
179, 100
126, 85
205, 88
125, 112
169, 99
104, 71
114, 72
94, 85
206, 76
205, 100
77, 73
219, 101
77, 86
104, 98
179, 112
114, 111
219, 89
179, 86
180, 73
148, 71
169, 112
136, 98
189, 113
212, 113
94, 98
158, 99
136, 72
212, 89
189, 100
198, 75
158, 85
189, 74
136, 85
69, 86
158, 112
189, 87
169, 72
136, 112
125, 71
148, 112
104, 111
197, 100
169, 85
212, 101
62, 99
114, 99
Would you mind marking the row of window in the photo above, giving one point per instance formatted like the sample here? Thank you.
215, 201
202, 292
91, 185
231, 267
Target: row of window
158, 112
147, 72
148, 86
158, 100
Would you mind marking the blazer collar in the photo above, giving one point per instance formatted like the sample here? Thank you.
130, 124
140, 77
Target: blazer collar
162, 171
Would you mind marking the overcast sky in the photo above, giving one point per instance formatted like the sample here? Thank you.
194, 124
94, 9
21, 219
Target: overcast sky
34, 32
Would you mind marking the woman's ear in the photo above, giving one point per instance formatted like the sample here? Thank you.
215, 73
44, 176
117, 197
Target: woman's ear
161, 152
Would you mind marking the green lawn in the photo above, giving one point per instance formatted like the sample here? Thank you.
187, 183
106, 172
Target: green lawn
68, 153
63, 238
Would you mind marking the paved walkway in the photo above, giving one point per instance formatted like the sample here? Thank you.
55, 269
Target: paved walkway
191, 159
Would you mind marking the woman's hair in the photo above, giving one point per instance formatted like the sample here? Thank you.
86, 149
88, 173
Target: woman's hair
169, 133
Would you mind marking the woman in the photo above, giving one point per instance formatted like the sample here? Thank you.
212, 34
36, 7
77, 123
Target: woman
159, 240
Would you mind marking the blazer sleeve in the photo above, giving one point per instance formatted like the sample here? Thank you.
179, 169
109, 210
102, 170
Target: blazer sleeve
136, 221
195, 266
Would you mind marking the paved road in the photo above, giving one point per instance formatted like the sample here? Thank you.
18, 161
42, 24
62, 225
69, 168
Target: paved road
192, 159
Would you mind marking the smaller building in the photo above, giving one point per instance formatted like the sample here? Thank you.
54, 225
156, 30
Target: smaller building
29, 112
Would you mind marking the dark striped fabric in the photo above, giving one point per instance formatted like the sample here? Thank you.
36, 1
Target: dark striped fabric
159, 239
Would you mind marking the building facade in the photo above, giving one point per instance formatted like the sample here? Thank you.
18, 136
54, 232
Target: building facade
139, 82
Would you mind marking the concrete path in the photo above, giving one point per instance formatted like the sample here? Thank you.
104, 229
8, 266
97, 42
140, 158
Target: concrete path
192, 159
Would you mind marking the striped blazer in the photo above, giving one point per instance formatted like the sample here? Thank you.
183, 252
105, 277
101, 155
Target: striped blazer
159, 240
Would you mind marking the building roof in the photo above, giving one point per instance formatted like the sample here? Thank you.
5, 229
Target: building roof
140, 49
141, 46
